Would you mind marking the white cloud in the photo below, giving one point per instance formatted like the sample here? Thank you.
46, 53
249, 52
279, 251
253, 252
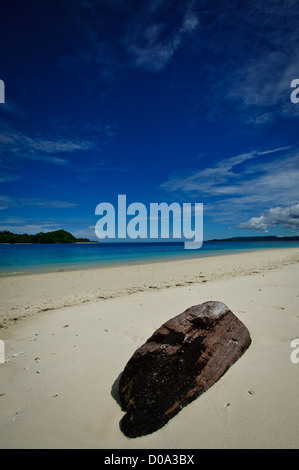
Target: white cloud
287, 217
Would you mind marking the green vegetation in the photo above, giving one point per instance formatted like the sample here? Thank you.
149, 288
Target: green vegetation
58, 236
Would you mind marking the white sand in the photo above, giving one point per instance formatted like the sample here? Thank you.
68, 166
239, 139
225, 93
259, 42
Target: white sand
58, 386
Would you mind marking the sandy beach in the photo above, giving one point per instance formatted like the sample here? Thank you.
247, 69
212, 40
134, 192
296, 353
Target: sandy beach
69, 335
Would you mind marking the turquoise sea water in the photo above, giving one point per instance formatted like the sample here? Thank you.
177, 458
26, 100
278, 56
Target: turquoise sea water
22, 259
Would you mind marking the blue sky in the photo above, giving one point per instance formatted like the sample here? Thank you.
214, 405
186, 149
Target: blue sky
163, 101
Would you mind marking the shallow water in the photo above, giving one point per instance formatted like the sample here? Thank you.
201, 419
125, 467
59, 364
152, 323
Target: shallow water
28, 258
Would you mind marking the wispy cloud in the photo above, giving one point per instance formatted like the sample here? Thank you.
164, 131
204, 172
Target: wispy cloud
221, 179
78, 227
148, 36
152, 43
12, 108
7, 202
30, 229
242, 185
261, 88
30, 226
7, 177
249, 51
18, 144
57, 145
257, 43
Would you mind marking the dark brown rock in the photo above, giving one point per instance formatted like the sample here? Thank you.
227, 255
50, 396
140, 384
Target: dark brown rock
179, 362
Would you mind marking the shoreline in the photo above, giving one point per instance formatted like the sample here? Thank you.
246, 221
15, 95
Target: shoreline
63, 361
144, 261
32, 293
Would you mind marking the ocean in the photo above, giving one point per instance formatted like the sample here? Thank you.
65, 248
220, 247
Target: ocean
35, 258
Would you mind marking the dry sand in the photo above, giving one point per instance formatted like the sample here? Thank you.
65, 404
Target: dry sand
76, 331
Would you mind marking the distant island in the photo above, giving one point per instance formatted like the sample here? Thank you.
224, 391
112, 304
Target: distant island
57, 236
62, 236
269, 238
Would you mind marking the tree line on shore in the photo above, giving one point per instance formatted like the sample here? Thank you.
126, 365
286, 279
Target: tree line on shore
57, 236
